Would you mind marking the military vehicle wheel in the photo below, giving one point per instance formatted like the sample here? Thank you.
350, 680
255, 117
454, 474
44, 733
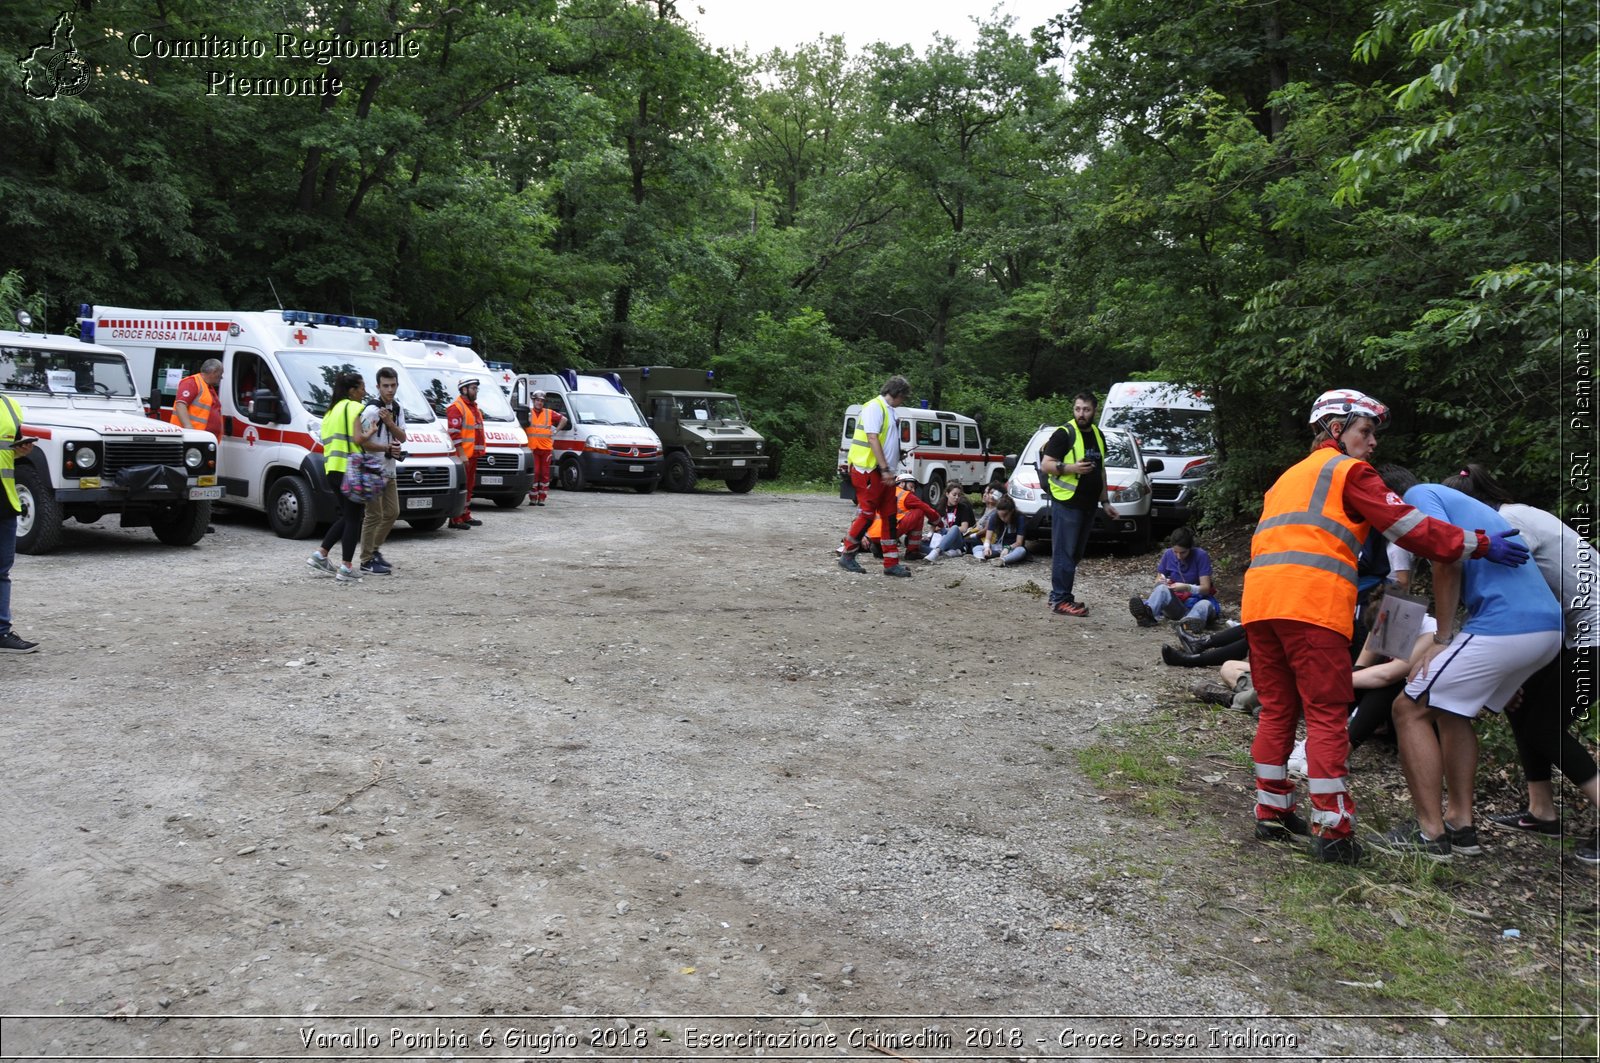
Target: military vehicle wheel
39, 527
934, 493
427, 524
678, 473
186, 526
742, 485
509, 501
289, 508
571, 478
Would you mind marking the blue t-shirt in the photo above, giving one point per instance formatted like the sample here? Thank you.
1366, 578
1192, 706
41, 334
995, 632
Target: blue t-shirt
1499, 600
1190, 571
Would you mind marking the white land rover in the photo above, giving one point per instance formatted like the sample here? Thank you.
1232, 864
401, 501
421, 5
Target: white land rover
96, 451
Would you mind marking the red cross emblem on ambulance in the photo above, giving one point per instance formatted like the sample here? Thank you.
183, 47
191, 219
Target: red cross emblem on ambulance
250, 436
372, 341
300, 335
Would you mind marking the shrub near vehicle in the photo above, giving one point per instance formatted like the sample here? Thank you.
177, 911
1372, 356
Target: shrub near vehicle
278, 370
96, 452
704, 434
607, 441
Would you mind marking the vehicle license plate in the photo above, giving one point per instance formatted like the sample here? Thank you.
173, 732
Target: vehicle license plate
419, 502
737, 462
636, 468
203, 494
495, 481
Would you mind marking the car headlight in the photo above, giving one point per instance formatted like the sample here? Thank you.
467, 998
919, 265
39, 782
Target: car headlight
595, 443
758, 446
85, 458
193, 458
708, 448
1126, 495
1026, 494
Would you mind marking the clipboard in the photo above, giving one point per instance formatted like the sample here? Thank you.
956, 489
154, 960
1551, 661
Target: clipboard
1399, 622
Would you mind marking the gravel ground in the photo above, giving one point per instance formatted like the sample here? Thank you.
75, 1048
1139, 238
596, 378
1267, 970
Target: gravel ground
584, 779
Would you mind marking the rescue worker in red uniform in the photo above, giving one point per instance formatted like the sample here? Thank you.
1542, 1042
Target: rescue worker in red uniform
542, 429
196, 405
466, 432
1299, 611
873, 457
910, 514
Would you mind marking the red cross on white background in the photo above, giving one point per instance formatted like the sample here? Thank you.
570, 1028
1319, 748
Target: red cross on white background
300, 335
372, 341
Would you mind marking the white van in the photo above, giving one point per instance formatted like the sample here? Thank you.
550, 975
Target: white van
437, 363
95, 451
607, 441
938, 447
278, 369
1175, 425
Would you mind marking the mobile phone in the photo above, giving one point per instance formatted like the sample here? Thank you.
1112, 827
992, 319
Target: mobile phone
17, 442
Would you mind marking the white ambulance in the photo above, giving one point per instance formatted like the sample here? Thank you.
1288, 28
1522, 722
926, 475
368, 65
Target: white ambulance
278, 369
607, 441
95, 451
938, 447
437, 363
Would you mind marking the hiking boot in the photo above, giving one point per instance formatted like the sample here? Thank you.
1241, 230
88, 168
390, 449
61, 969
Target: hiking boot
1528, 823
897, 570
1193, 625
1192, 643
1288, 827
11, 642
1070, 609
1141, 612
1245, 698
849, 563
1463, 840
376, 567
1408, 840
1213, 693
319, 563
1344, 850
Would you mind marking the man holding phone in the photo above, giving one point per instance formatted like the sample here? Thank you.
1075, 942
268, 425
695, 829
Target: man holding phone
13, 445
1071, 466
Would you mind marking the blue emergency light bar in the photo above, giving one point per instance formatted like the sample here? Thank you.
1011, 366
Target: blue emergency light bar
302, 317
86, 322
436, 337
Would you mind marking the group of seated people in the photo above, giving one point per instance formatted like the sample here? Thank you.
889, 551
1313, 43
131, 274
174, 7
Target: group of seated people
954, 530
1424, 700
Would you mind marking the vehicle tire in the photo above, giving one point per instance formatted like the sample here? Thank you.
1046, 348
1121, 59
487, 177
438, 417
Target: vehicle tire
933, 494
290, 510
1140, 543
571, 476
39, 527
648, 488
427, 524
186, 526
742, 485
678, 473
509, 501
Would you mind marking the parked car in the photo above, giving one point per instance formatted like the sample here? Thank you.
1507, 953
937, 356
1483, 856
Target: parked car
1127, 484
1172, 424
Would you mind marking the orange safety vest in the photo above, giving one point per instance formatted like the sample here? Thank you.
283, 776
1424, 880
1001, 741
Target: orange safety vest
199, 410
900, 510
542, 429
1303, 556
470, 434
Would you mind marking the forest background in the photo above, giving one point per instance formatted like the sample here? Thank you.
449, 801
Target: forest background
1262, 198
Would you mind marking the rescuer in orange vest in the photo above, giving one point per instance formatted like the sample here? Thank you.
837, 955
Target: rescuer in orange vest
542, 429
466, 432
1299, 610
910, 513
197, 405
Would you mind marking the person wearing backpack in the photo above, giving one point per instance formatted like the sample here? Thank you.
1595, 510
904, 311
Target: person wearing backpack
1071, 466
343, 438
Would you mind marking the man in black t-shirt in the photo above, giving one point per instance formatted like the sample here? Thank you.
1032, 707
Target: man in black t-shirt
1072, 472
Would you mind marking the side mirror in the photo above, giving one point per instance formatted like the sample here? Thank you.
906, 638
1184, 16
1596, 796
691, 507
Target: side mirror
264, 408
522, 414
1154, 465
1011, 463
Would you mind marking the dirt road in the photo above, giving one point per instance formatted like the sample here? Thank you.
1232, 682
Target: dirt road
583, 779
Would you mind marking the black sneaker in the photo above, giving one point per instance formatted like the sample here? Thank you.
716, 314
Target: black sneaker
1528, 823
475, 522
849, 563
1141, 612
1463, 840
1588, 852
11, 642
1288, 827
1344, 850
1408, 840
897, 570
1191, 643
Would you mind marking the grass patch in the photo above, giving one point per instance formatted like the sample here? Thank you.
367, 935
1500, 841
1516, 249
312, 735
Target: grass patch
1144, 763
797, 487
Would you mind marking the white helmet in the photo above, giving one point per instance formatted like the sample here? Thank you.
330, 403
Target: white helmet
905, 478
1342, 404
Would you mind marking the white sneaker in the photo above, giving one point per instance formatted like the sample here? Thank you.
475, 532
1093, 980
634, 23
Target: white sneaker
1297, 759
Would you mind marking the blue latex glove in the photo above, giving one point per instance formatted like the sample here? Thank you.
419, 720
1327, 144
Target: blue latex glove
1504, 552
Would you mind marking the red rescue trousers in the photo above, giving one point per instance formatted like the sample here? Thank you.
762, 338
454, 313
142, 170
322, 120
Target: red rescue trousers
1302, 670
874, 495
541, 475
471, 465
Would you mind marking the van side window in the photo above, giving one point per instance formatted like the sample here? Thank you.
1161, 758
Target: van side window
969, 437
930, 434
850, 428
555, 401
250, 374
905, 431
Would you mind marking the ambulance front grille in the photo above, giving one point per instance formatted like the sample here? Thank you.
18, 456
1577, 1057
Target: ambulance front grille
126, 453
421, 479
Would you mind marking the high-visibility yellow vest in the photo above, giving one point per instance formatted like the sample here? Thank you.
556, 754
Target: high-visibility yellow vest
1062, 488
1303, 556
199, 411
861, 455
338, 436
10, 429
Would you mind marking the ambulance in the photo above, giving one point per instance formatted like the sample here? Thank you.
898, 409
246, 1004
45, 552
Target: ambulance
95, 452
607, 441
278, 369
939, 448
437, 363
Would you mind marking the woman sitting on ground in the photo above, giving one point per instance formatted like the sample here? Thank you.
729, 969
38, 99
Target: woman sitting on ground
1183, 590
1003, 537
958, 521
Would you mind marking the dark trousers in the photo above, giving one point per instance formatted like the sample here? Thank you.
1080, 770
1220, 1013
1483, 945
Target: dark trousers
346, 530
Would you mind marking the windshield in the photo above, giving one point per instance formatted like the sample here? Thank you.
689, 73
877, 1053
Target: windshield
441, 386
85, 372
593, 409
311, 375
1164, 430
708, 408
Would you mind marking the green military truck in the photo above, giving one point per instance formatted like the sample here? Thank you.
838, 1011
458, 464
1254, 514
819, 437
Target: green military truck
704, 434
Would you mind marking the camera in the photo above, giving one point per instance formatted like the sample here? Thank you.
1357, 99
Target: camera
402, 455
